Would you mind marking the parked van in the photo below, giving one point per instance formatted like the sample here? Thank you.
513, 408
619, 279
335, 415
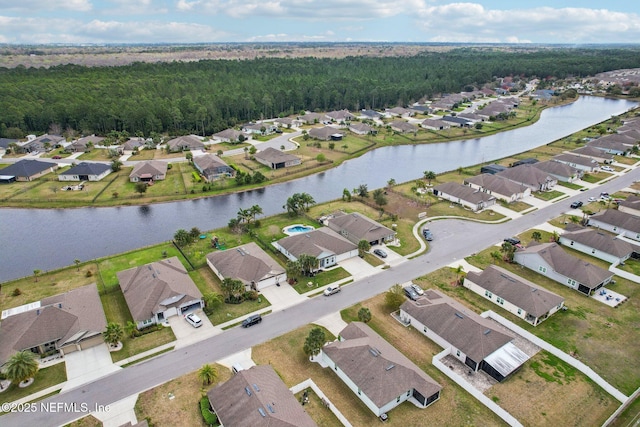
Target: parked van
236, 368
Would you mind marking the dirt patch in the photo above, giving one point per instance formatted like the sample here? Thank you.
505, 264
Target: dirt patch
178, 401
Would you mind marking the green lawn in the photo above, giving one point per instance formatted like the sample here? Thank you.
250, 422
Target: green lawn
548, 195
595, 177
132, 346
45, 378
321, 279
569, 185
225, 312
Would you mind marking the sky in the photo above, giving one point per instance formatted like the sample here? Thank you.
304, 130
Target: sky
217, 21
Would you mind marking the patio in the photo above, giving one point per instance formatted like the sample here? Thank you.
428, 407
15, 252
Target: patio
609, 297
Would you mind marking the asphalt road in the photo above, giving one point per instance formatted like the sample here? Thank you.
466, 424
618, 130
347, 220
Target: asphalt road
455, 240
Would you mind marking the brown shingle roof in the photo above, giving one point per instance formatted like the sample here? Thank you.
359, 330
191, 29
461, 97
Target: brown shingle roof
243, 399
318, 243
248, 263
359, 226
497, 184
273, 155
619, 219
75, 314
456, 324
381, 377
526, 174
151, 167
567, 265
146, 288
519, 291
464, 192
600, 240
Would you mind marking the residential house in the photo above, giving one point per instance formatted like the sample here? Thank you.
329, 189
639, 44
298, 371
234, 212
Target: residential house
631, 132
212, 167
621, 138
499, 187
356, 227
68, 322
323, 243
550, 260
311, 118
470, 338
132, 144
631, 205
401, 112
582, 163
527, 161
594, 153
257, 397
361, 128
276, 159
456, 121
420, 109
185, 143
287, 122
85, 172
376, 372
610, 147
26, 170
561, 170
515, 294
618, 222
148, 171
469, 197
83, 144
262, 128
159, 290
40, 144
435, 124
370, 114
529, 176
228, 135
326, 133
598, 243
472, 117
249, 264
403, 127
6, 142
341, 116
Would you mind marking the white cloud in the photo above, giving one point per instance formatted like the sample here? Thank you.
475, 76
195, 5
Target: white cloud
39, 5
134, 7
471, 22
51, 30
303, 9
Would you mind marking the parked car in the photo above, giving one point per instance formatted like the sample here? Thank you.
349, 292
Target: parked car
417, 288
331, 290
251, 320
411, 293
193, 320
56, 157
576, 205
607, 168
428, 235
592, 199
513, 240
380, 253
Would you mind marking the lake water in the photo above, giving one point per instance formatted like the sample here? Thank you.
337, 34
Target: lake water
46, 239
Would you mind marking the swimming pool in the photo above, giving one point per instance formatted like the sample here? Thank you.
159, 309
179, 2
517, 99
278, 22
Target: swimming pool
297, 229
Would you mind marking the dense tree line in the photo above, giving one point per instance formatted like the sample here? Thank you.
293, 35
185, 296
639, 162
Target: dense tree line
208, 96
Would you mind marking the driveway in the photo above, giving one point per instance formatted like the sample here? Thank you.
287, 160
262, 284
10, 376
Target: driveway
282, 296
358, 267
88, 365
393, 258
187, 334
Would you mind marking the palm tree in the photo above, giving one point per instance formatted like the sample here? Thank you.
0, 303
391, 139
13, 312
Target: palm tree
536, 235
36, 273
308, 263
255, 210
363, 246
293, 271
131, 329
21, 366
77, 263
113, 334
429, 176
306, 200
208, 374
364, 315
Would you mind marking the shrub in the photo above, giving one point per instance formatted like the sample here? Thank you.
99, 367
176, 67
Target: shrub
208, 416
251, 295
88, 273
16, 292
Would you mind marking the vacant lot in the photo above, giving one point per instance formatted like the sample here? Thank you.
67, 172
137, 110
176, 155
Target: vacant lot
177, 402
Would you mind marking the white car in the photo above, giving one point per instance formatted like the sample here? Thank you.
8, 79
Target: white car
193, 320
331, 290
592, 199
418, 289
607, 168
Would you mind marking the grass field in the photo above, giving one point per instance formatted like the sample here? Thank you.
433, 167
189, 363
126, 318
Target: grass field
45, 378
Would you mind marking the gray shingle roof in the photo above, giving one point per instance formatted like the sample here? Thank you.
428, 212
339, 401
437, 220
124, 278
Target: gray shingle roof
464, 192
85, 168
526, 174
588, 151
248, 263
599, 240
63, 318
210, 164
145, 288
497, 184
631, 202
558, 168
149, 167
465, 330
567, 265
188, 141
619, 219
243, 399
524, 294
273, 155
381, 377
359, 226
324, 132
578, 160
27, 168
319, 243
